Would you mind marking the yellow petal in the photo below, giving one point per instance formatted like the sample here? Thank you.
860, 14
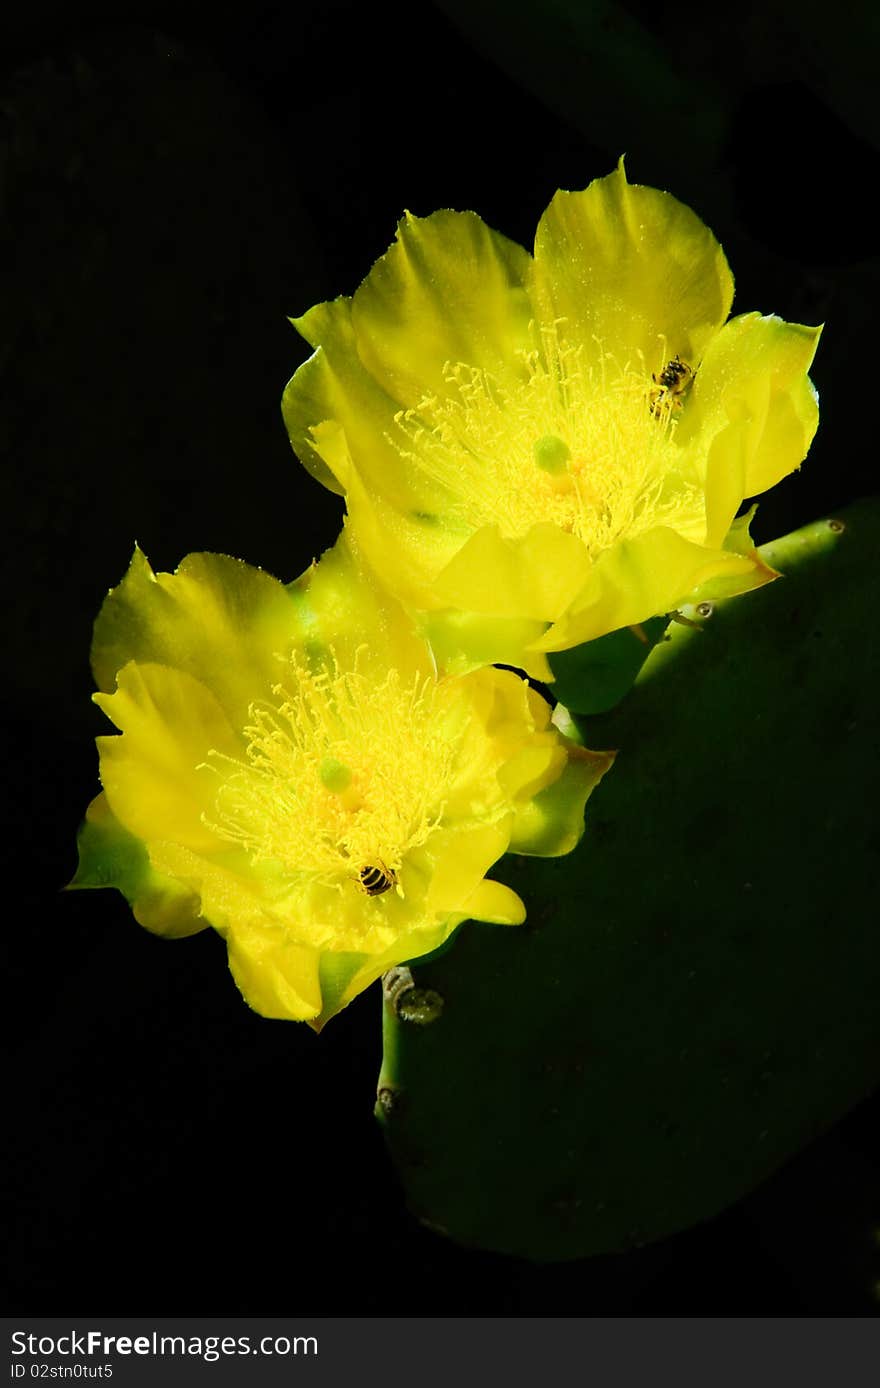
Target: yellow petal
448, 290
738, 540
533, 576
752, 411
725, 483
552, 823
459, 861
637, 579
339, 604
496, 904
275, 969
277, 977
463, 641
508, 750
634, 268
791, 423
169, 723
334, 387
343, 976
404, 545
216, 619
109, 856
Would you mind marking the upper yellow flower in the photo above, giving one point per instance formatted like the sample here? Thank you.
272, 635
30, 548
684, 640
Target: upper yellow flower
538, 450
292, 771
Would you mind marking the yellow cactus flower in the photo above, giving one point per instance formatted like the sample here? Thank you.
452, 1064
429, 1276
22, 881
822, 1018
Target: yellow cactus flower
538, 450
292, 771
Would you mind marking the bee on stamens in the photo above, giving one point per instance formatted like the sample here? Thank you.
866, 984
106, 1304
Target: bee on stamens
376, 880
672, 385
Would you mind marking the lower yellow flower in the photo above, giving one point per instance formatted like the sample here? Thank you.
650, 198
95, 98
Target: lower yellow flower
538, 450
292, 771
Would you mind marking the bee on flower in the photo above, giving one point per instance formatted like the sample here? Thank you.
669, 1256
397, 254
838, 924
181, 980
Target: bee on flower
536, 450
291, 770
672, 385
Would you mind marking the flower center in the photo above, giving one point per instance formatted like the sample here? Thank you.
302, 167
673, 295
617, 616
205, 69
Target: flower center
587, 445
342, 777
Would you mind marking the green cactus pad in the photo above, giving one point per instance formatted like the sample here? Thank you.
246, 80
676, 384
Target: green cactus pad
696, 992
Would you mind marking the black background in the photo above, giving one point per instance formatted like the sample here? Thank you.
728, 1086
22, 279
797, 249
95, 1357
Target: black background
178, 180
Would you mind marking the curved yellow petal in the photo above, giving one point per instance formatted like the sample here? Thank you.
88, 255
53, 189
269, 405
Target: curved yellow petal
109, 856
277, 977
334, 387
534, 576
343, 976
638, 579
791, 423
404, 546
459, 862
193, 620
448, 290
507, 750
752, 411
407, 554
154, 775
464, 641
275, 969
634, 268
726, 467
738, 540
532, 752
496, 904
341, 607
552, 823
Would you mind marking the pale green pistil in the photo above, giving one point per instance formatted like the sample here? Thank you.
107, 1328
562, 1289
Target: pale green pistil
335, 775
551, 454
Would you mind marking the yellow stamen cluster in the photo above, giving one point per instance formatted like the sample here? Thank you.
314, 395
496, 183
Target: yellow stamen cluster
344, 774
580, 444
